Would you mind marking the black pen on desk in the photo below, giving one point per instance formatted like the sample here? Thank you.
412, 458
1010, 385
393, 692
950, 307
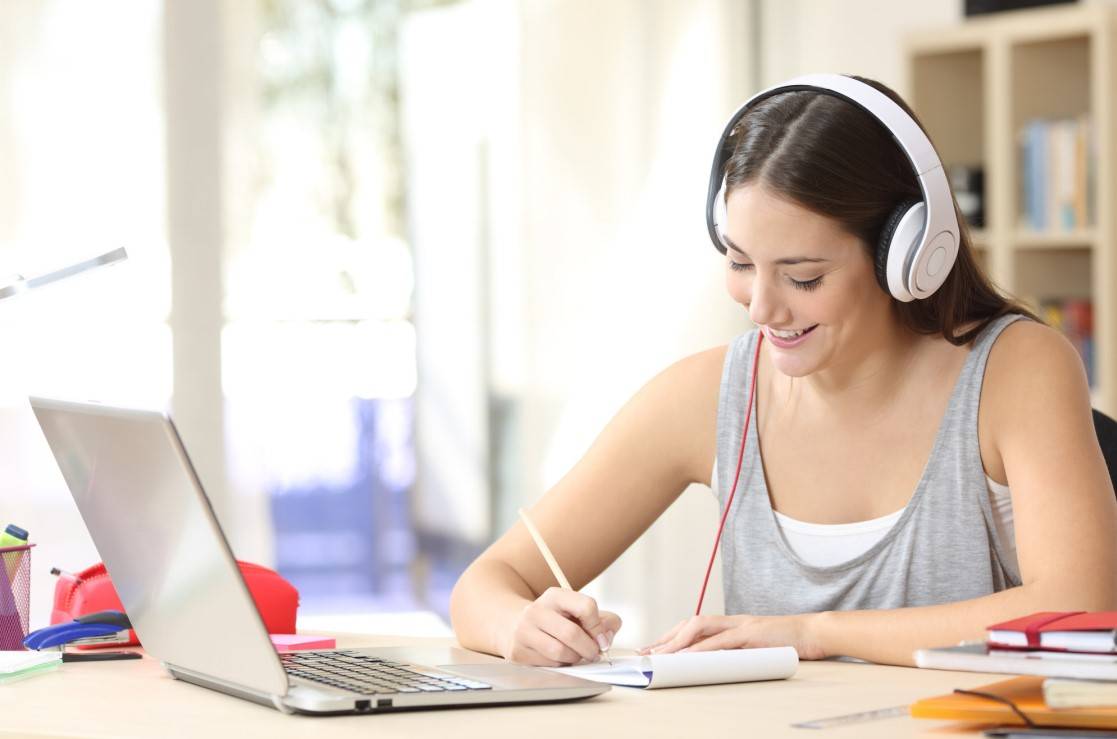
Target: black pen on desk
553, 564
98, 656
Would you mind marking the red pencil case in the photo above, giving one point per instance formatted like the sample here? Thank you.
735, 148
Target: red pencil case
91, 590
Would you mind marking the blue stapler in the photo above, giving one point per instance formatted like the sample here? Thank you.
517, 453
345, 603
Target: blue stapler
102, 627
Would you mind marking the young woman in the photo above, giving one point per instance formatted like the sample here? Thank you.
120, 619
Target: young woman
912, 470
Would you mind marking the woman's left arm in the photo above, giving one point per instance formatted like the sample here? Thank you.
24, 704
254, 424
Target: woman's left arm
1036, 409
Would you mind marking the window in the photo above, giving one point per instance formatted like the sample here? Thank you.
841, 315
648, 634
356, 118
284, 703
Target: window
319, 368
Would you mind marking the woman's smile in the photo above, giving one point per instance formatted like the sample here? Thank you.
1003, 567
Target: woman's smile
788, 339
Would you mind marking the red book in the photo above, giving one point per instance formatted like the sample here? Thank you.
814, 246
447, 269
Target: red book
1071, 631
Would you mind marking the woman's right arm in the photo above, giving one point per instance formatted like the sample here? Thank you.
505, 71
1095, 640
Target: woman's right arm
663, 439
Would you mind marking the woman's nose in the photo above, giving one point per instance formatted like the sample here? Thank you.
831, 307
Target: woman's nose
763, 304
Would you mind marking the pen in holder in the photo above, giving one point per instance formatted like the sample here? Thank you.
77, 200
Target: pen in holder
15, 595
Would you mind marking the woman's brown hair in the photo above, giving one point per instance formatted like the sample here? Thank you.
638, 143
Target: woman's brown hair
829, 156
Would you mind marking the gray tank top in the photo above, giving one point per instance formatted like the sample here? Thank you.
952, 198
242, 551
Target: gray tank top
944, 547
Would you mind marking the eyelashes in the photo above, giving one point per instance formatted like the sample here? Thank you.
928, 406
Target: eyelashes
807, 285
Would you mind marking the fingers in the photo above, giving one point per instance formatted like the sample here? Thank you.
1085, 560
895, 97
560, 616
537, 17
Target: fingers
580, 606
665, 638
571, 635
532, 644
610, 625
722, 640
561, 627
543, 651
689, 632
583, 609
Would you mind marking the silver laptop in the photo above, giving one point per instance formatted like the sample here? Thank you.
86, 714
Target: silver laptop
172, 566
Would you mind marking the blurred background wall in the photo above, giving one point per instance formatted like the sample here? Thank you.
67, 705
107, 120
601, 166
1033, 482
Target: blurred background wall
395, 262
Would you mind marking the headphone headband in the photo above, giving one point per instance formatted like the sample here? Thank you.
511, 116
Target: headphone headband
921, 269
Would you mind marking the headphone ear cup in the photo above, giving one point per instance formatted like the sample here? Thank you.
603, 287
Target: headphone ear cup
884, 241
720, 218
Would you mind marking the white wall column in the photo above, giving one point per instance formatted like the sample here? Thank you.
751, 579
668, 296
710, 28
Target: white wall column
193, 56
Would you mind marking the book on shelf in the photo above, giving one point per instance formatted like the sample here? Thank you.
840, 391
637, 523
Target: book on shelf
1074, 317
1057, 174
967, 181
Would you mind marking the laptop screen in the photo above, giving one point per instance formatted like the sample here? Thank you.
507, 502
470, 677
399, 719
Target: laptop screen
156, 531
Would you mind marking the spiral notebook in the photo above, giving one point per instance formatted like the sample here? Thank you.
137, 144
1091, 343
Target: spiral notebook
680, 669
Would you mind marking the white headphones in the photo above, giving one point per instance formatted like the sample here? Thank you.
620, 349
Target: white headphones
919, 242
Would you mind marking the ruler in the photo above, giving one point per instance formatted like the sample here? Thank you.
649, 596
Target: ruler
853, 718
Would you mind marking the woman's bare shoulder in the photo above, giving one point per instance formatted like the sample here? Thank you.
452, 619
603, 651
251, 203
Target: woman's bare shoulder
695, 378
700, 366
1030, 356
688, 391
1034, 380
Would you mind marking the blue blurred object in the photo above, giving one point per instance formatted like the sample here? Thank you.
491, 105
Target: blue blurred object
102, 627
355, 540
354, 545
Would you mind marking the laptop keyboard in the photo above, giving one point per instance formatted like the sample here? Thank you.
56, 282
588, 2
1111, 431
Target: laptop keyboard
360, 673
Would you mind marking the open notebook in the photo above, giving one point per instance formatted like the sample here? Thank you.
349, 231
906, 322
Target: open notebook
692, 668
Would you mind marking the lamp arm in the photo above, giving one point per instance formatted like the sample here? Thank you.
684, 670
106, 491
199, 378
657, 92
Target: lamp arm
23, 284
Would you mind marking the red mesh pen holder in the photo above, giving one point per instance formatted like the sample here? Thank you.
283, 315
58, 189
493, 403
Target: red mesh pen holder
15, 595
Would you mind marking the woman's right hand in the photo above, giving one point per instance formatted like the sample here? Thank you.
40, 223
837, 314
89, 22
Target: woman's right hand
561, 627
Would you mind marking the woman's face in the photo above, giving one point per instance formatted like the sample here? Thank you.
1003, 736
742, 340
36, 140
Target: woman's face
808, 284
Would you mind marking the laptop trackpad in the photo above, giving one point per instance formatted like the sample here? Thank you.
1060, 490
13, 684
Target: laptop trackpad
484, 667
509, 675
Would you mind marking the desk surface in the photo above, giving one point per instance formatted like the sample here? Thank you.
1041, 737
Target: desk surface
137, 698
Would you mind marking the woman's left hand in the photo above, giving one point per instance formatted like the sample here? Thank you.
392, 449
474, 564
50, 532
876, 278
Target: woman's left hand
705, 633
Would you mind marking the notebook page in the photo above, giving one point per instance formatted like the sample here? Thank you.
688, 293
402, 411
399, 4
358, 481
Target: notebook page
631, 671
692, 668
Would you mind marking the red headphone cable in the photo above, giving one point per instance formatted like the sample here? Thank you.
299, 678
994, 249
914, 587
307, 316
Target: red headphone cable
736, 477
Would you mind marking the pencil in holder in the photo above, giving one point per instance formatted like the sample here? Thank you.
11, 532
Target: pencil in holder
15, 595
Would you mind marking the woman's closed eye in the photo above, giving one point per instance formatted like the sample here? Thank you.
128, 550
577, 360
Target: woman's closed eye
811, 284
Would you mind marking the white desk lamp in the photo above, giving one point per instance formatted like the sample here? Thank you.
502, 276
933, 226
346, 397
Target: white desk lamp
23, 284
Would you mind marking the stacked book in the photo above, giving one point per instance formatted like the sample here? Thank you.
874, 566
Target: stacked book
1037, 645
1057, 174
1066, 638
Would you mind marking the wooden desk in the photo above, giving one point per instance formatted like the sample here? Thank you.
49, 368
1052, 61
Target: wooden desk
139, 699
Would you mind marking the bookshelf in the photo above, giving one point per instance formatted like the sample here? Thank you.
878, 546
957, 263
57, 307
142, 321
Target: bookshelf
987, 90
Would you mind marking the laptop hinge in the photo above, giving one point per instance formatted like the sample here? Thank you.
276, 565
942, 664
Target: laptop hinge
223, 686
